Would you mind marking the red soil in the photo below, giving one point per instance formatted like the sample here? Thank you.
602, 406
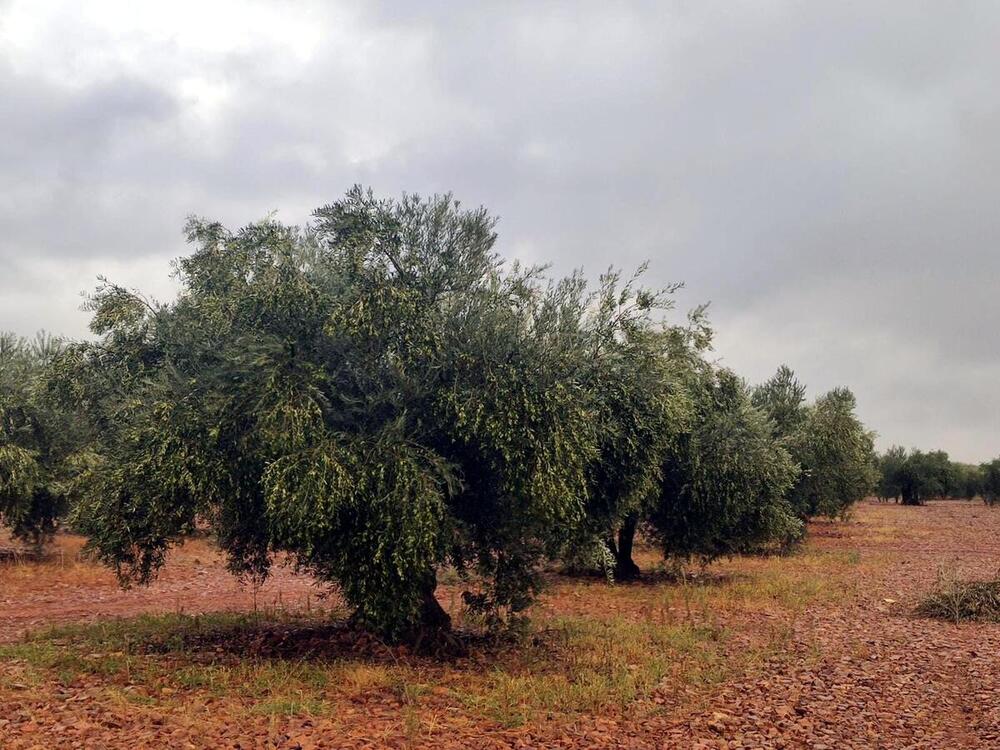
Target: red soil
857, 670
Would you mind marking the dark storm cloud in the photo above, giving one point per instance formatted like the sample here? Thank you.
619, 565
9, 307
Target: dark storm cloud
824, 173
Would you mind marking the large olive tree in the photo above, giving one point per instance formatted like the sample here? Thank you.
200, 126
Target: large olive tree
377, 396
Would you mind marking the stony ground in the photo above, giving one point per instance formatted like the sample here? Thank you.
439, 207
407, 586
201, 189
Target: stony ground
816, 650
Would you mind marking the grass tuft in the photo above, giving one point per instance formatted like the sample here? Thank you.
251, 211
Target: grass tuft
960, 601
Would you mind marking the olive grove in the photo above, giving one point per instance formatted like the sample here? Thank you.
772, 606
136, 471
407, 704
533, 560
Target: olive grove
379, 396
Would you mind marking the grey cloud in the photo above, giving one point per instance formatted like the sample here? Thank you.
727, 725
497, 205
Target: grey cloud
824, 173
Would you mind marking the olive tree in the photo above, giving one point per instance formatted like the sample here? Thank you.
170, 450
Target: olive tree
828, 441
890, 467
37, 440
725, 481
377, 396
836, 455
915, 476
924, 475
991, 481
966, 481
632, 364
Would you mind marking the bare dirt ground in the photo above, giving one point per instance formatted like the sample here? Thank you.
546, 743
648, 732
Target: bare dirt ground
816, 650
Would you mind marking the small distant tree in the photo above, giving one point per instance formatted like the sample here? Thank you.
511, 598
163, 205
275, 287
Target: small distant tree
924, 476
725, 481
991, 481
966, 481
890, 466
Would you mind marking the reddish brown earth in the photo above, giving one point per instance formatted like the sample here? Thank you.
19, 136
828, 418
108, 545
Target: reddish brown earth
68, 589
820, 650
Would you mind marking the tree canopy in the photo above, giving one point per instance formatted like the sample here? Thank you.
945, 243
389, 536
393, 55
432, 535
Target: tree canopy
826, 439
783, 398
837, 457
915, 476
377, 396
726, 480
635, 366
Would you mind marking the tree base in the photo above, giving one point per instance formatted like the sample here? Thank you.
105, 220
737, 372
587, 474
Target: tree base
625, 567
627, 570
433, 635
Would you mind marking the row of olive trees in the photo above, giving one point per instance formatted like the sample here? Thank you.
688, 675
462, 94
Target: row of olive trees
914, 476
379, 396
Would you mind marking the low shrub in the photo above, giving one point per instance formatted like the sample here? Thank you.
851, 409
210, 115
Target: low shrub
964, 600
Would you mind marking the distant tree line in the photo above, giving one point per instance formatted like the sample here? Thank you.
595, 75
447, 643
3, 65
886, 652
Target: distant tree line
380, 396
912, 477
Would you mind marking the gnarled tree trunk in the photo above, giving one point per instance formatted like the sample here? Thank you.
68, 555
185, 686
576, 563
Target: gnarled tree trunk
432, 631
432, 614
625, 567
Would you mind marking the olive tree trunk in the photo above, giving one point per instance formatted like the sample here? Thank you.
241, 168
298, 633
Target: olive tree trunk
432, 615
625, 567
431, 631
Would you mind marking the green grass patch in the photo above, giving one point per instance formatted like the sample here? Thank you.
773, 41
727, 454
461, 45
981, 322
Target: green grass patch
168, 633
600, 665
151, 659
67, 663
788, 591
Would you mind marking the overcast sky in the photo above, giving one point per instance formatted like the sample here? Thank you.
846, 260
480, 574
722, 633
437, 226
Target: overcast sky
825, 174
